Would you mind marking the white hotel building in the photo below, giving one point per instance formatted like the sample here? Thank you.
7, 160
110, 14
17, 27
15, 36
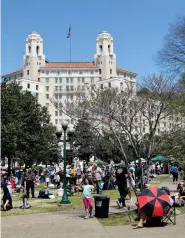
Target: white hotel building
62, 79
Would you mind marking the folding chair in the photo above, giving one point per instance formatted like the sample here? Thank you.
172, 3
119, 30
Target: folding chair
171, 213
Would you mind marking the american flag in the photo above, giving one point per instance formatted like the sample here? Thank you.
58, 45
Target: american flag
69, 33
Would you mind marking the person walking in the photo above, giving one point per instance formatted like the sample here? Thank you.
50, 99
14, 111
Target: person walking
87, 199
30, 177
175, 173
121, 180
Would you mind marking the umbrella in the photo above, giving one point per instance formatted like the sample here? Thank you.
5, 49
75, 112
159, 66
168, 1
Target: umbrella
159, 158
154, 202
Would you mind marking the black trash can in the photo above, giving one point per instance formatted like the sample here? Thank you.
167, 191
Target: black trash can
101, 206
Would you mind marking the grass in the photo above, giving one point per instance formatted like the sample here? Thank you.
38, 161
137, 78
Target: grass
43, 205
182, 210
118, 219
158, 180
53, 205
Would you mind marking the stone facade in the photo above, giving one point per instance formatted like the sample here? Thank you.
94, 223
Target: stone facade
63, 79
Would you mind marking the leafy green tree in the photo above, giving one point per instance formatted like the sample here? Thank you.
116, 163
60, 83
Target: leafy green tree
27, 134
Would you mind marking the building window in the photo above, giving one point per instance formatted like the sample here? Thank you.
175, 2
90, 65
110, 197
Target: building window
47, 88
56, 96
56, 113
69, 72
47, 80
110, 71
60, 88
80, 72
37, 50
47, 96
125, 75
56, 121
29, 49
28, 72
71, 80
109, 84
78, 80
99, 71
92, 71
72, 88
28, 85
60, 96
101, 86
37, 87
67, 88
21, 74
56, 80
60, 80
38, 79
37, 95
83, 80
56, 88
67, 80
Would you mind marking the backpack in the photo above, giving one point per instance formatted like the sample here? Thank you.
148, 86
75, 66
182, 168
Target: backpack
44, 194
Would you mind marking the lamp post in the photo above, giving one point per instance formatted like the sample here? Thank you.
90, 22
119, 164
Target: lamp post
70, 132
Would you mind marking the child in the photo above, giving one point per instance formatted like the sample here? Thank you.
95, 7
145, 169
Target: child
26, 203
87, 199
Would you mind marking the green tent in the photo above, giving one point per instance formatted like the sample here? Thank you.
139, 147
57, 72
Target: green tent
100, 162
159, 158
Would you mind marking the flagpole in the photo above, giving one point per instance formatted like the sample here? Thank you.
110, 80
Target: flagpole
70, 44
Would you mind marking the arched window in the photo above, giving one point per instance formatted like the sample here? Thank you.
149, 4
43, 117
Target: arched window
37, 50
29, 49
101, 49
109, 49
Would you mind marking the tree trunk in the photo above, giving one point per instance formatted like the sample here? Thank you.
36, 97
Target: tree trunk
141, 168
9, 166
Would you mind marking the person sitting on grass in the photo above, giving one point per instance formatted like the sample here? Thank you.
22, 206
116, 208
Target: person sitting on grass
87, 199
7, 200
26, 203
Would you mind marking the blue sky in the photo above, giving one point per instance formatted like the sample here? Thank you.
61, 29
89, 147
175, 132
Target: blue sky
138, 28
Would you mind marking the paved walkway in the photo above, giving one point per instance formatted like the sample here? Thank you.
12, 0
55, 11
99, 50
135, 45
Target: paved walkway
71, 224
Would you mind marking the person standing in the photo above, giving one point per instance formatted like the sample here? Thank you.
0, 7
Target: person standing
98, 178
30, 177
87, 199
79, 173
121, 180
73, 175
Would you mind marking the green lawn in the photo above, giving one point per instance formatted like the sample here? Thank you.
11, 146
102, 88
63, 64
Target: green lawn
52, 205
158, 180
118, 219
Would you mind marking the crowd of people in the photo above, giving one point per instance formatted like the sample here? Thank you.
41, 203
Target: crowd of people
86, 178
